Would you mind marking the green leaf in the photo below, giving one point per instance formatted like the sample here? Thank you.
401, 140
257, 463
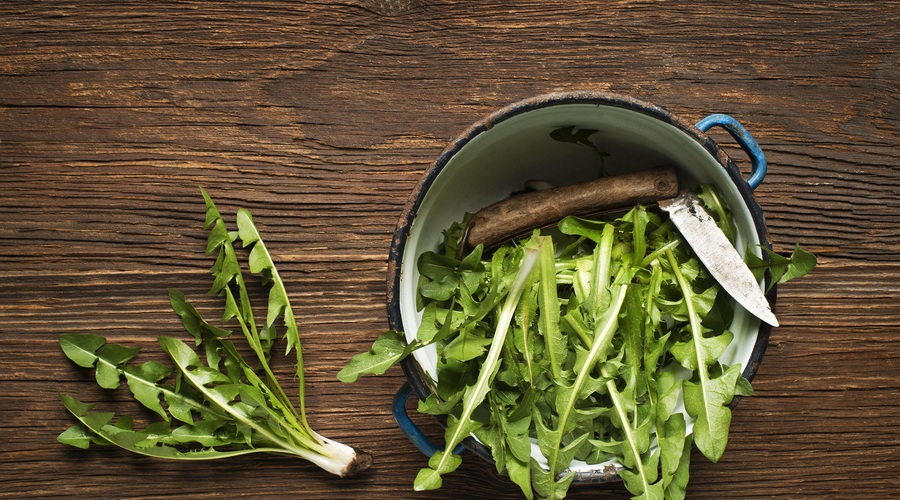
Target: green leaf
203, 433
77, 408
743, 387
637, 485
440, 463
81, 349
387, 350
632, 329
430, 326
109, 359
720, 315
79, 437
672, 442
436, 267
783, 269
518, 442
93, 351
519, 472
279, 304
603, 334
705, 400
716, 206
191, 319
99, 425
142, 381
279, 307
707, 403
639, 219
438, 290
474, 395
676, 485
466, 346
668, 393
546, 485
576, 226
710, 349
802, 262
641, 466
548, 302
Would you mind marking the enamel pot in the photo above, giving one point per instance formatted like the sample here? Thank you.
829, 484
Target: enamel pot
497, 155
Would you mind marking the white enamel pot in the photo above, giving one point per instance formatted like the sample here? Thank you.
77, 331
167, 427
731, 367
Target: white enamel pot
498, 155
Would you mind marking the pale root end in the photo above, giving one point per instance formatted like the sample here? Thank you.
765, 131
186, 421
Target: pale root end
340, 459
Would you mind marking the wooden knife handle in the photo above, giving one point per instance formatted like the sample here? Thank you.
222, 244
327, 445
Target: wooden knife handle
519, 214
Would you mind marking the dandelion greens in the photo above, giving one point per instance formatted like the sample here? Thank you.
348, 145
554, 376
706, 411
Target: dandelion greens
611, 357
213, 403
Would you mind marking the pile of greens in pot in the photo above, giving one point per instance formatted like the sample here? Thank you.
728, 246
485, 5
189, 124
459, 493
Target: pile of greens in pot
585, 340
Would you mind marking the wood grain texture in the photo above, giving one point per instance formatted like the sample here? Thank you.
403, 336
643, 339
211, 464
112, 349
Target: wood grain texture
321, 117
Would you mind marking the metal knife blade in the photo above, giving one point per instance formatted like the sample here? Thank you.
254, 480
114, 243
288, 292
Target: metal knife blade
717, 253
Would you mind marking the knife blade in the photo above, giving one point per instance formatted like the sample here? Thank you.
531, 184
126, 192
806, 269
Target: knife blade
717, 253
519, 214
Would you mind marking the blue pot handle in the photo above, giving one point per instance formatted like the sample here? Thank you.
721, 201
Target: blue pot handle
758, 162
412, 431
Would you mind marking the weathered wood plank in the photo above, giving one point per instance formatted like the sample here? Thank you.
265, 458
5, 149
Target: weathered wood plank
321, 117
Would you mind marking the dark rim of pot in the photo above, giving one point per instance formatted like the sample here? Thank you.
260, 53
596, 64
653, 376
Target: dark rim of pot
395, 257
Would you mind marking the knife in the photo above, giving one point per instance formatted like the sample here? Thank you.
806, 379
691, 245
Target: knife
519, 214
717, 253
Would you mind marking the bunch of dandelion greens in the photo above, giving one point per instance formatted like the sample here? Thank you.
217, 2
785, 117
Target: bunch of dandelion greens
216, 403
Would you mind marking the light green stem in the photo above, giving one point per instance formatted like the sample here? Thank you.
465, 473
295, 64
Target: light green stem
602, 337
476, 395
696, 331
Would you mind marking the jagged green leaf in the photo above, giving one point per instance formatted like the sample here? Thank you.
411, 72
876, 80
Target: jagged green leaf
440, 463
387, 350
708, 404
81, 349
89, 351
711, 348
143, 382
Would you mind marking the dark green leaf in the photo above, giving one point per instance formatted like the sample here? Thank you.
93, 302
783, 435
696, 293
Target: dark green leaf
548, 300
672, 447
575, 135
93, 351
546, 485
436, 267
519, 472
203, 433
711, 349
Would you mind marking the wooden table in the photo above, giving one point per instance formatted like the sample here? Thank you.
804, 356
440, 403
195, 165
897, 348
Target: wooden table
321, 117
